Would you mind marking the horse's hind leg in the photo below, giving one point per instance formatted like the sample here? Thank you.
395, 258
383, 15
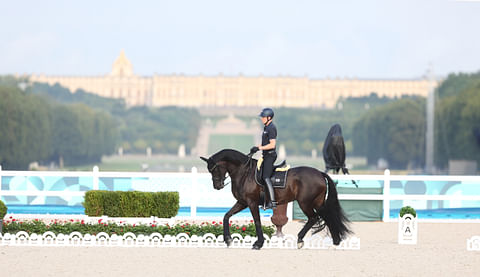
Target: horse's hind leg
312, 219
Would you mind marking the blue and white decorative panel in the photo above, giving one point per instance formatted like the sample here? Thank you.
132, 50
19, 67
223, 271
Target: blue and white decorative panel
44, 183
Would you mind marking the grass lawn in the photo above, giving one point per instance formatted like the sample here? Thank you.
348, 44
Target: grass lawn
242, 143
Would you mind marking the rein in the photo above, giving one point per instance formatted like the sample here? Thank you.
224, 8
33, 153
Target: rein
222, 179
247, 164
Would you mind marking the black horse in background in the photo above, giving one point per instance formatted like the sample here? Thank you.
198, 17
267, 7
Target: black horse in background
334, 151
307, 185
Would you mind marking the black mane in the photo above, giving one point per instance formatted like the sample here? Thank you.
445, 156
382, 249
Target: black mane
229, 155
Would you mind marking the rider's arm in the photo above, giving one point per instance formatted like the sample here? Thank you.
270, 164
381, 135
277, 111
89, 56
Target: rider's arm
269, 146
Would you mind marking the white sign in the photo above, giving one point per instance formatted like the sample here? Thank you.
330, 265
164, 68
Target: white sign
407, 230
473, 244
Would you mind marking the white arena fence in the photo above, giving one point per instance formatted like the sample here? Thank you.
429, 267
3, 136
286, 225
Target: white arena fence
209, 240
196, 190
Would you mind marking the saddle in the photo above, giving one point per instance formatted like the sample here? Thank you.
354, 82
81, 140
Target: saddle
279, 177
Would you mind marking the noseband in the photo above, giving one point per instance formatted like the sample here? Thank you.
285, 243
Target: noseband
220, 179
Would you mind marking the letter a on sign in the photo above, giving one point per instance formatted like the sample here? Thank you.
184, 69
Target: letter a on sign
407, 230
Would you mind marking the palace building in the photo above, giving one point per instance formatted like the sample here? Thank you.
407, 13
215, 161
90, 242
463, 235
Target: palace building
226, 91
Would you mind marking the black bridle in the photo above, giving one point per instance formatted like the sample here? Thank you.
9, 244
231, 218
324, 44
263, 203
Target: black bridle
222, 179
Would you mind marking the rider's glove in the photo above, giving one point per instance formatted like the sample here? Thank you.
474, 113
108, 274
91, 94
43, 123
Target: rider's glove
254, 149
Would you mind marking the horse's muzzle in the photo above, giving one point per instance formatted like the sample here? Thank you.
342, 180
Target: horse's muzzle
219, 187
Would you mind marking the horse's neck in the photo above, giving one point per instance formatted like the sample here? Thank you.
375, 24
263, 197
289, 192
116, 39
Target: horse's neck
237, 172
232, 168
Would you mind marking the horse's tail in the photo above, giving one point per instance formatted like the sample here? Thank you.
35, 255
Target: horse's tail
333, 213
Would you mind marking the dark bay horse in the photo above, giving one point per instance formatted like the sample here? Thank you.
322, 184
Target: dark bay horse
307, 185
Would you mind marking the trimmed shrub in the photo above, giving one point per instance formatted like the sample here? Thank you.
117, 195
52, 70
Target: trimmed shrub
93, 203
163, 204
408, 210
3, 210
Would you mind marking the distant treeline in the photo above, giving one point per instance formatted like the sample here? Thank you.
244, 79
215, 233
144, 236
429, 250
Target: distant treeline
396, 131
302, 130
49, 123
33, 129
162, 129
393, 129
457, 119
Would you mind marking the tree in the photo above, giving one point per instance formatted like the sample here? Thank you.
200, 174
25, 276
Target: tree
25, 128
81, 135
457, 117
456, 83
395, 132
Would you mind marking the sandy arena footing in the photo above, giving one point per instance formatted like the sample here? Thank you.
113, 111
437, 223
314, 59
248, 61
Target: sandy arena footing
441, 251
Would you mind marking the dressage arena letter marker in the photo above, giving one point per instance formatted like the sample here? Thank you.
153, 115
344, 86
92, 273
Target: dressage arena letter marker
473, 244
407, 229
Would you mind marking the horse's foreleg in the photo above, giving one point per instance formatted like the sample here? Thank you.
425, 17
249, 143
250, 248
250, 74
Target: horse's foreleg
258, 226
226, 226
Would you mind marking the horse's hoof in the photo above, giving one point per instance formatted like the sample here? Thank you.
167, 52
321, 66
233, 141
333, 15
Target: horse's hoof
300, 244
278, 234
228, 242
257, 246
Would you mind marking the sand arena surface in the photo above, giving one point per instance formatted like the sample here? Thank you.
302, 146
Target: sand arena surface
441, 251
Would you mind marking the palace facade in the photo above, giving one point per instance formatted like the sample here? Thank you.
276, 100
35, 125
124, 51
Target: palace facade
226, 91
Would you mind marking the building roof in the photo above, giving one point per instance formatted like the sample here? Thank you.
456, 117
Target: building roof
122, 67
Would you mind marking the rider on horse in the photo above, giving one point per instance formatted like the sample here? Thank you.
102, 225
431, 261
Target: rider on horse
269, 137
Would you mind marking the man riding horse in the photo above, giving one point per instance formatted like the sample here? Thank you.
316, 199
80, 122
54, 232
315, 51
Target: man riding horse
269, 137
307, 185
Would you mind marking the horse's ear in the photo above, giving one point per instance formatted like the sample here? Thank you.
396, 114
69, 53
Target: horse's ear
205, 159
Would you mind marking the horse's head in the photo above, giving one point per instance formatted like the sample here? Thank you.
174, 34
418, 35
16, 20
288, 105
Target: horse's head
218, 171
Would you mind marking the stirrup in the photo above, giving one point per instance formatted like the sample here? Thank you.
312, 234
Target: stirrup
270, 205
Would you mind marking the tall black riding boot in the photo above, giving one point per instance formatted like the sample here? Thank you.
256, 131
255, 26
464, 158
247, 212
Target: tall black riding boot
272, 204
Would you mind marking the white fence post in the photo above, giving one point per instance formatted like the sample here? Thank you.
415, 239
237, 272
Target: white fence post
290, 211
386, 196
95, 178
193, 191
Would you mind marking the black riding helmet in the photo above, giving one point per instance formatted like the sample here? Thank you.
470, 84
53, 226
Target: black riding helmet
267, 112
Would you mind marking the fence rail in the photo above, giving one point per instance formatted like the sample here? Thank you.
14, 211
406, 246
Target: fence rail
195, 188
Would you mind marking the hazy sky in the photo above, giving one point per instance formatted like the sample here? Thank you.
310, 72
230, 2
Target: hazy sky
363, 39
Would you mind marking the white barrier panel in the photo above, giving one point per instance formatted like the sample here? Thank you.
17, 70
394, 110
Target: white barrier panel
196, 189
321, 242
407, 229
473, 244
181, 240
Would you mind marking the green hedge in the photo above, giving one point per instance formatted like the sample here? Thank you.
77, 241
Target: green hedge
408, 210
131, 203
3, 210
